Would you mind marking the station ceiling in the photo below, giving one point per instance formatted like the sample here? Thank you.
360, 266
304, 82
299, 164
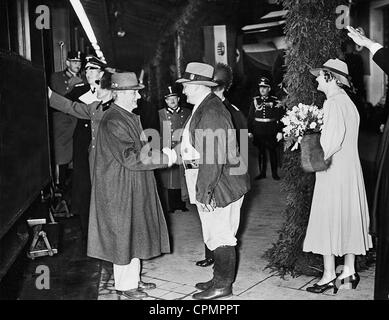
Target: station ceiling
143, 21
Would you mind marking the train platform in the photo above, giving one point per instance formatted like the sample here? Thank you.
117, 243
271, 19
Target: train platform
74, 276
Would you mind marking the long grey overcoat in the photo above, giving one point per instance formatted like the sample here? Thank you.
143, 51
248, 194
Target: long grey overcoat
126, 218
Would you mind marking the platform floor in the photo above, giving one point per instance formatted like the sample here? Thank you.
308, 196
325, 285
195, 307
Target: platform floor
74, 276
176, 274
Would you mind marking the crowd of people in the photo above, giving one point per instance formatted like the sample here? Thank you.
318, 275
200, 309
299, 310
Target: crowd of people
200, 156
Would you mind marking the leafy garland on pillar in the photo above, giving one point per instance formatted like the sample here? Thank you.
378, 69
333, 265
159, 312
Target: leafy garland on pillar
195, 15
160, 61
314, 38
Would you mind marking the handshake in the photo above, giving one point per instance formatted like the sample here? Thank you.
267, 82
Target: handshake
171, 154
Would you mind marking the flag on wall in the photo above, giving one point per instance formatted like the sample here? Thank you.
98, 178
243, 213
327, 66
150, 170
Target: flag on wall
219, 45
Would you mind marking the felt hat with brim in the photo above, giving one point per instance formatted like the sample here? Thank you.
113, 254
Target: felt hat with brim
198, 73
337, 67
125, 81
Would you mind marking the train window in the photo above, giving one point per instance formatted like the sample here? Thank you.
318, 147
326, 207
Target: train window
5, 41
15, 27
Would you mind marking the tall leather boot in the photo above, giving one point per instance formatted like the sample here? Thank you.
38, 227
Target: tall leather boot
62, 175
207, 261
274, 162
262, 162
223, 275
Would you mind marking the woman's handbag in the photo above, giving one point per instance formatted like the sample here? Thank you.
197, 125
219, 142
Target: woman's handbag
312, 154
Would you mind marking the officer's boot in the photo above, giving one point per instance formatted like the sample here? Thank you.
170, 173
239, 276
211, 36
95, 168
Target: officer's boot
62, 175
175, 202
274, 163
207, 261
261, 163
263, 168
223, 274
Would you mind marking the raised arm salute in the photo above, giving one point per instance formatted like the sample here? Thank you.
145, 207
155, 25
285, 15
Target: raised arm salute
380, 209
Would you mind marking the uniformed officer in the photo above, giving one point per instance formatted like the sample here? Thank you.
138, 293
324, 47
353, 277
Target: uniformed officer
81, 185
172, 118
63, 124
264, 123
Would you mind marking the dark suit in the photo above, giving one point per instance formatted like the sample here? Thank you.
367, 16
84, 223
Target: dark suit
238, 119
380, 214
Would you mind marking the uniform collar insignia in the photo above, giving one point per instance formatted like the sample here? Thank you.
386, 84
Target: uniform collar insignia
69, 74
170, 110
104, 105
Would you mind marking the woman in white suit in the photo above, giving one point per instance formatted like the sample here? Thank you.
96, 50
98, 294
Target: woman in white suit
339, 218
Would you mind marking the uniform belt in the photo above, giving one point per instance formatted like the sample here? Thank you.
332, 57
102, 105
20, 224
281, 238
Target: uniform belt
190, 164
265, 119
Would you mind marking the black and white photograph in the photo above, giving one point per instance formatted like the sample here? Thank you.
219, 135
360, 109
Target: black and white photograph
168, 153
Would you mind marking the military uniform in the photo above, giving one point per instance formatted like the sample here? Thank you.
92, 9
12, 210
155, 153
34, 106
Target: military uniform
264, 123
81, 185
171, 121
63, 124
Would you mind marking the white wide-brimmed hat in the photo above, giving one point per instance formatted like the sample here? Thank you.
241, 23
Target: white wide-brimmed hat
198, 73
336, 66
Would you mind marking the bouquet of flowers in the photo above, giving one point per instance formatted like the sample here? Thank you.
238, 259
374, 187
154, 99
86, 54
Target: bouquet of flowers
300, 120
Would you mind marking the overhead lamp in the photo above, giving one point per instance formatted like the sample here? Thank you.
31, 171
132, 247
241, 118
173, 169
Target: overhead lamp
79, 10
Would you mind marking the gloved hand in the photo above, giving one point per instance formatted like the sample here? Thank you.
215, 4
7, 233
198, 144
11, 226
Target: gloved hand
171, 154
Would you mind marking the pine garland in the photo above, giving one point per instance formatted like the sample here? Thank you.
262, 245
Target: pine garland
311, 31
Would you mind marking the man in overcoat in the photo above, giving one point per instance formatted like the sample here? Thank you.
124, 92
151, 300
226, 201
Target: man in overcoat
93, 113
380, 212
216, 178
126, 222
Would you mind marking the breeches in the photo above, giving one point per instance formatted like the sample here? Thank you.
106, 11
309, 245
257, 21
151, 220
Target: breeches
220, 226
